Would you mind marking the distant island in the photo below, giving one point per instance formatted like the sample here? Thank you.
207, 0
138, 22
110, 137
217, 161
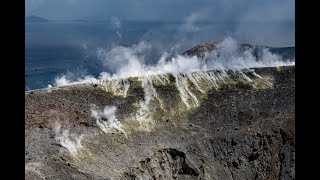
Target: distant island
80, 20
35, 19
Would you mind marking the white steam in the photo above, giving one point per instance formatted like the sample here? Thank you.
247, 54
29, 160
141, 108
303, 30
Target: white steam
130, 62
149, 94
70, 142
228, 56
116, 25
118, 87
185, 93
106, 119
123, 58
63, 81
189, 24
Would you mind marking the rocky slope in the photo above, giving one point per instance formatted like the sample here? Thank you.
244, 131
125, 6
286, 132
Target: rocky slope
207, 125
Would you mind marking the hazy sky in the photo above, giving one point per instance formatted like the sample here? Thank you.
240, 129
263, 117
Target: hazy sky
169, 10
269, 22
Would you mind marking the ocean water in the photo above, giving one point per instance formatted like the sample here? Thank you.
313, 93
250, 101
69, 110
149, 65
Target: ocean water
56, 48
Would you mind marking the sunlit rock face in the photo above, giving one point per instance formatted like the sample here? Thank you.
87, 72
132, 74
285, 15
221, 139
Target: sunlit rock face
232, 124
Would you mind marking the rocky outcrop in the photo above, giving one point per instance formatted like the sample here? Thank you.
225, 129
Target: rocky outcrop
201, 49
242, 127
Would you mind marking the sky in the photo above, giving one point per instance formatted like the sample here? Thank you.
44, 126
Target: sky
167, 10
266, 21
